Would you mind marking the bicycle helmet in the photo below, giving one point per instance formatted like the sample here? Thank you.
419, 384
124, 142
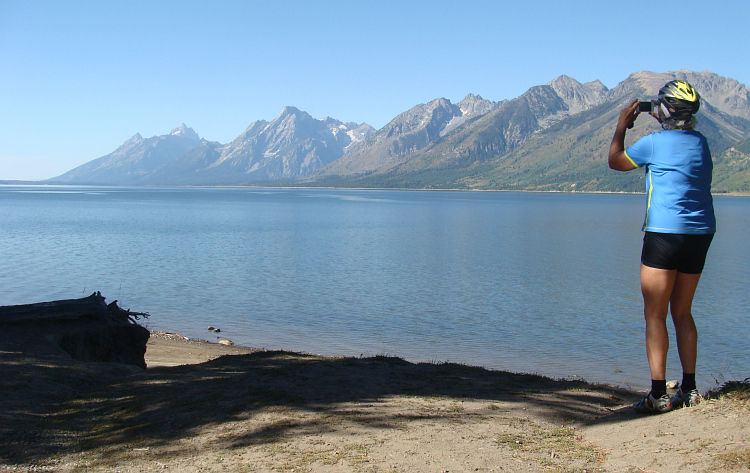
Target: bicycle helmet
678, 99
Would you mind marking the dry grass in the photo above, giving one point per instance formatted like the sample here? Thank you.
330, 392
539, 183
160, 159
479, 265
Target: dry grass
735, 461
733, 395
561, 449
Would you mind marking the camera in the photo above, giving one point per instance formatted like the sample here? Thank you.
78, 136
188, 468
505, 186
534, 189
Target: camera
646, 107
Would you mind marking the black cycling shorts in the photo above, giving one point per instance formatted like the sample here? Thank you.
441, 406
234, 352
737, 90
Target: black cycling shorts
685, 253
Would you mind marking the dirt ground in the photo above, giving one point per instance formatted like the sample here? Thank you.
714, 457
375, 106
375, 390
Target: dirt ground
207, 407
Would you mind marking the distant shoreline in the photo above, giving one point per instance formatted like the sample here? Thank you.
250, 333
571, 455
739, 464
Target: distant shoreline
233, 186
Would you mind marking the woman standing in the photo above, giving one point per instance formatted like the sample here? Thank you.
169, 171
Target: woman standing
679, 227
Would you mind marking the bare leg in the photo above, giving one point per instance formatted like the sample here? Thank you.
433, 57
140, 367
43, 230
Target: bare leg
656, 286
681, 307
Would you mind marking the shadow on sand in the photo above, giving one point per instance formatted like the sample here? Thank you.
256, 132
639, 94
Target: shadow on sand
161, 405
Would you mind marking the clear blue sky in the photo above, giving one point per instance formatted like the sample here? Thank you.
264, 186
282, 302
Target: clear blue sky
78, 78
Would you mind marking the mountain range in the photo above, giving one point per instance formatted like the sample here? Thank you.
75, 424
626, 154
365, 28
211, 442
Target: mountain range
553, 137
291, 146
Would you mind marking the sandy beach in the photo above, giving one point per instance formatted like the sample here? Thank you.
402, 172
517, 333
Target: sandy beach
208, 407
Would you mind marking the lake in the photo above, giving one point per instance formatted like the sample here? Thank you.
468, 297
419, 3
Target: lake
538, 283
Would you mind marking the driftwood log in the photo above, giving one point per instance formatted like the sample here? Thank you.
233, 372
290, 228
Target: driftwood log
92, 306
87, 329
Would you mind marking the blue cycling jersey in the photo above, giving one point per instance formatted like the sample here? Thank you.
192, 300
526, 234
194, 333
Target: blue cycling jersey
678, 181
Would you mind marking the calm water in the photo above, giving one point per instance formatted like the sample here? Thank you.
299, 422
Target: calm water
544, 283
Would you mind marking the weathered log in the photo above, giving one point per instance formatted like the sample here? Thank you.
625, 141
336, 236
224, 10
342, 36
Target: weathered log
87, 329
106, 342
92, 307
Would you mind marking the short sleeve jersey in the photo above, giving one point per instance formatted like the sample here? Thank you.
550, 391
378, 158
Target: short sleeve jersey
678, 181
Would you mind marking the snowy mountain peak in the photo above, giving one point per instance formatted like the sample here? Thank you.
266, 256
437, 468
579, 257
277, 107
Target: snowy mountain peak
186, 132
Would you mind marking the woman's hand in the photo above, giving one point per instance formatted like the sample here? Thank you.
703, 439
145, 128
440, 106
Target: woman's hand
628, 115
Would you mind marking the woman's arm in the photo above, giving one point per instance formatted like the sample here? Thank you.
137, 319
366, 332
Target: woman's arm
617, 159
